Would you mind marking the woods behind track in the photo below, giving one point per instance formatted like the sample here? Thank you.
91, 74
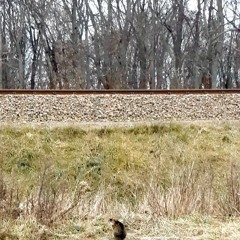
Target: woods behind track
85, 92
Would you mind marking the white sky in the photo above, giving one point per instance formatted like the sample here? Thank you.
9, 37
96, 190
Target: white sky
192, 4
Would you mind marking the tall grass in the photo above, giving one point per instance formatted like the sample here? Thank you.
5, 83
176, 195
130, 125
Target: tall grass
161, 170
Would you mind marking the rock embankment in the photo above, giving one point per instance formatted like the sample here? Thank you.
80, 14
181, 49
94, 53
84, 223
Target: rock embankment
118, 108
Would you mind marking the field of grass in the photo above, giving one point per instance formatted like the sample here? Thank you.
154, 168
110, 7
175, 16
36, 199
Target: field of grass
169, 180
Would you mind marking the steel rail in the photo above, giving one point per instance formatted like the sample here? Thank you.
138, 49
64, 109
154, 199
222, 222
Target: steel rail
121, 91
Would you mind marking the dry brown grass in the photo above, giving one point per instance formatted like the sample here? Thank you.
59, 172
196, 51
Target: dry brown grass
168, 180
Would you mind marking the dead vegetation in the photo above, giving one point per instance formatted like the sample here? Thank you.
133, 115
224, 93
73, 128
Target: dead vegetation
66, 182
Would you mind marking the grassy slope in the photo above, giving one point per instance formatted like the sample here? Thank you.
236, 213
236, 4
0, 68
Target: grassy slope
168, 180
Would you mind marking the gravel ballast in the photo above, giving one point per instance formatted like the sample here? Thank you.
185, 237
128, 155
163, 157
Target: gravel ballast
118, 108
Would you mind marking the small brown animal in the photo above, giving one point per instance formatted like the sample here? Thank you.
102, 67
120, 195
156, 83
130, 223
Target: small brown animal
119, 230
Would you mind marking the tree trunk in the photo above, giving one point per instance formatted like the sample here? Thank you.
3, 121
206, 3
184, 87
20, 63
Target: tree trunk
196, 46
1, 54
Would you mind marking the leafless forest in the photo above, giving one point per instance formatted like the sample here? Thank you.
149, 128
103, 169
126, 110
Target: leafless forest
119, 44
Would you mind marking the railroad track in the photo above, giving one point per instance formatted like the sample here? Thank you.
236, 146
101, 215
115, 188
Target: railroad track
85, 92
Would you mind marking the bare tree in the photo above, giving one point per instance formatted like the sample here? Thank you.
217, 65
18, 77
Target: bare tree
119, 44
